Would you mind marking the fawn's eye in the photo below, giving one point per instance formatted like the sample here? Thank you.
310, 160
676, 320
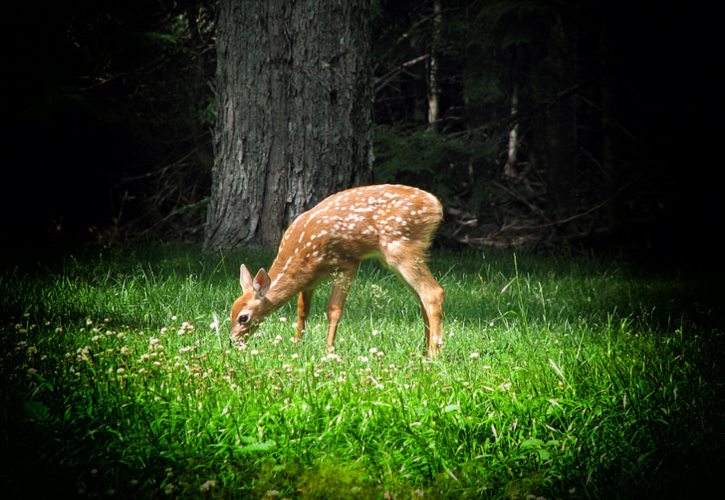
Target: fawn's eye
243, 318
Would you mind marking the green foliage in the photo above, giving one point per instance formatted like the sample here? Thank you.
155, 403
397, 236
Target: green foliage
425, 158
559, 378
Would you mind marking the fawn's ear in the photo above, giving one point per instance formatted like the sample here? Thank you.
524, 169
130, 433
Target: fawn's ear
245, 278
261, 283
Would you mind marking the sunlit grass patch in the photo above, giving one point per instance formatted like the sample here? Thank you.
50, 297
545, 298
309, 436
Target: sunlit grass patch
557, 379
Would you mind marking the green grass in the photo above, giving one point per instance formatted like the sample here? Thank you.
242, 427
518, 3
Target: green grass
559, 378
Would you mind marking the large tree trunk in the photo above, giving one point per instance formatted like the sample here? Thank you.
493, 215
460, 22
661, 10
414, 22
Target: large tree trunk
294, 120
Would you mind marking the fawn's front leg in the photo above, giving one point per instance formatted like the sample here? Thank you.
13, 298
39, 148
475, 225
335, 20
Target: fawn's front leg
304, 303
340, 286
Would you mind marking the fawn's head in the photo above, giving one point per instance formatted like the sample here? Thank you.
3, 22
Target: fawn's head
250, 309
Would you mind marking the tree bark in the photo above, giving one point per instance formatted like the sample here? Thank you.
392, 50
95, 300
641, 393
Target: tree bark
509, 169
433, 70
293, 90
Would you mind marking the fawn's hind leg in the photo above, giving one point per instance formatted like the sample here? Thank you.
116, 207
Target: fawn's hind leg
430, 293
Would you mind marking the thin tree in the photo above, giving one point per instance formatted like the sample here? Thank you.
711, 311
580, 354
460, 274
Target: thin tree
293, 90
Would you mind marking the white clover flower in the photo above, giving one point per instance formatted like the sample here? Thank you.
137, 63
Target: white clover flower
475, 355
207, 485
185, 327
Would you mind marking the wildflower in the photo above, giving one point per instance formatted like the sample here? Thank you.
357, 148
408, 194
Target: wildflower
254, 352
185, 327
295, 355
373, 350
214, 325
475, 355
155, 344
207, 485
169, 488
123, 349
283, 319
173, 318
83, 353
363, 359
121, 371
89, 321
375, 333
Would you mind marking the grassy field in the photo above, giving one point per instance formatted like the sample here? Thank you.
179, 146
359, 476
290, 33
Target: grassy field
560, 377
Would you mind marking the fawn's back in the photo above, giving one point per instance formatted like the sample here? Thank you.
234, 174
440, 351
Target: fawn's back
391, 221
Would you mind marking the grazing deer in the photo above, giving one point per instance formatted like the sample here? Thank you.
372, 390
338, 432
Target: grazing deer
392, 222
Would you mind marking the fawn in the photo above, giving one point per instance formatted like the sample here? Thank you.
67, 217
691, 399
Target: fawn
394, 223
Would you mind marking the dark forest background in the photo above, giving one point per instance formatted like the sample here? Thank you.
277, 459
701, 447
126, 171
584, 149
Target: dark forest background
109, 112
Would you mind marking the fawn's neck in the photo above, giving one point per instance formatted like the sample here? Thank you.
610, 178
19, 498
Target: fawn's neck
285, 282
